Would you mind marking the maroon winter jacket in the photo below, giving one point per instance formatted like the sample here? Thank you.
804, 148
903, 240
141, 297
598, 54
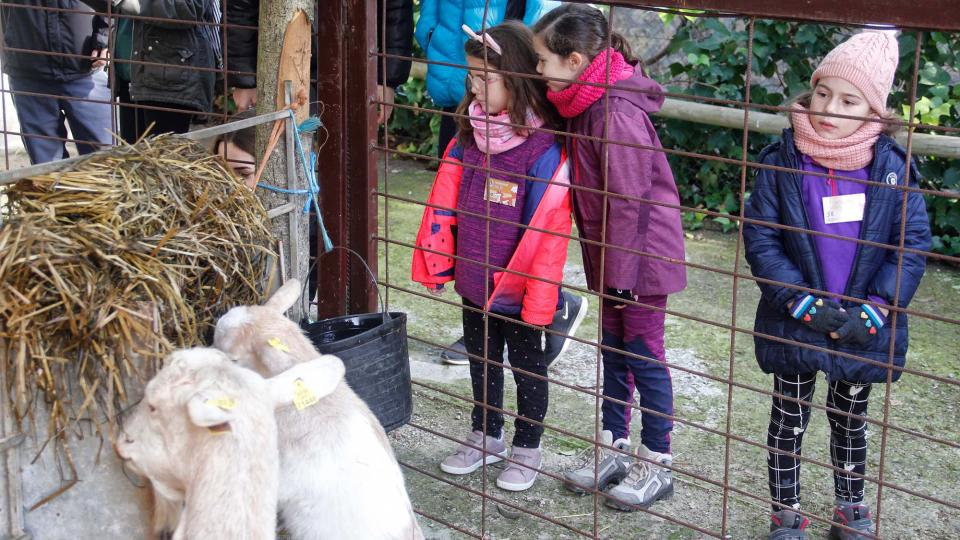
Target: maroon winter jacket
641, 226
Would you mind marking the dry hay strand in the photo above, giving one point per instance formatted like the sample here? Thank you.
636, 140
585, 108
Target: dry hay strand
108, 266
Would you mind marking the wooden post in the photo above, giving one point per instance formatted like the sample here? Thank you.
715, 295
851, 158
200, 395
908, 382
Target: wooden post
284, 55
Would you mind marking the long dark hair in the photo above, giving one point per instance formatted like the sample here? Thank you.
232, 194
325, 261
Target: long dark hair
580, 28
804, 99
526, 93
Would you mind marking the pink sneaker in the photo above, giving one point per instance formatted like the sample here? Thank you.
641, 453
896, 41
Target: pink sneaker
521, 476
467, 459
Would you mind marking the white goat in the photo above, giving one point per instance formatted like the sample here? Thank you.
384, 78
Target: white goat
206, 436
339, 478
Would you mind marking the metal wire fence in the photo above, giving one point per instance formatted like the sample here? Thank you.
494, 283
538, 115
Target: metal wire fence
719, 415
721, 453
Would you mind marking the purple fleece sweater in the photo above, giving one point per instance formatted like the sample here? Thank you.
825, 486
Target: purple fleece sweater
836, 255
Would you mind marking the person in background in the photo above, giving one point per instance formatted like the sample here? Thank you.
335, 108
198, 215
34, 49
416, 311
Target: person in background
238, 148
84, 98
516, 152
177, 62
633, 242
802, 190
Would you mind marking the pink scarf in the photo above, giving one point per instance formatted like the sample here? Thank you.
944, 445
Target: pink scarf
496, 138
847, 154
576, 98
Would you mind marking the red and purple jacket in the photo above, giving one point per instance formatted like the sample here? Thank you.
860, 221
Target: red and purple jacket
457, 236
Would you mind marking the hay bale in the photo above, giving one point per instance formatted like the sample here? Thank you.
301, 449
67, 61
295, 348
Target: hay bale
107, 266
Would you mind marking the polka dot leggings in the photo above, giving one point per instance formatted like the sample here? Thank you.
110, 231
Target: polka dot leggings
525, 347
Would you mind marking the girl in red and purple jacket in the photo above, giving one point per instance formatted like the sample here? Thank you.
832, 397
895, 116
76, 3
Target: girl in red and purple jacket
628, 202
497, 223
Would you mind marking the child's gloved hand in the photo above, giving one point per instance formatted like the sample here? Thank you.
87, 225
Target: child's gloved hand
862, 326
624, 294
821, 315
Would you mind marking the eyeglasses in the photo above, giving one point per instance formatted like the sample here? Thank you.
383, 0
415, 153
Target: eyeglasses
480, 81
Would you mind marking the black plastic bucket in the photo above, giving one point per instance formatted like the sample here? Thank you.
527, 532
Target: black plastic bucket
373, 347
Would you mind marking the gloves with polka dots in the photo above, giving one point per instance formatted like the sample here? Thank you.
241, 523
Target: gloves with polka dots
862, 326
821, 315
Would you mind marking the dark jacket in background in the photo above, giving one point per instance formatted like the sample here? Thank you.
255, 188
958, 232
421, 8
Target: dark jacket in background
242, 43
791, 257
51, 31
178, 47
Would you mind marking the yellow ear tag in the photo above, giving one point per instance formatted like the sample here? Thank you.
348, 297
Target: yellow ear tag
277, 344
224, 403
303, 397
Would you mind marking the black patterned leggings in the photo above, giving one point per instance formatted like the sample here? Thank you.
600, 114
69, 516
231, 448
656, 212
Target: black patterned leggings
848, 443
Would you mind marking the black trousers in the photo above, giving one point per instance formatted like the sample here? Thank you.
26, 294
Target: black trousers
848, 436
166, 121
526, 353
448, 130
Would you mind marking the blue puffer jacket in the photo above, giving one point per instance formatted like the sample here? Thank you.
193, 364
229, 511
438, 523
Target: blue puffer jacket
441, 38
790, 257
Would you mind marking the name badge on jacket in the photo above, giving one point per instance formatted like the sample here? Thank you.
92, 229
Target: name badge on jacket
502, 192
843, 208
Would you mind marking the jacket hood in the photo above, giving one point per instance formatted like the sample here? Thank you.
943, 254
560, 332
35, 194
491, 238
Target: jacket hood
640, 90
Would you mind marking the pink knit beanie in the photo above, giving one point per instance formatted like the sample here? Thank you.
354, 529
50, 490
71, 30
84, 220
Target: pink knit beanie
868, 61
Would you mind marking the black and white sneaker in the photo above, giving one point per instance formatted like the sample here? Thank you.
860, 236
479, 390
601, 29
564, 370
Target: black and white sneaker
456, 355
565, 323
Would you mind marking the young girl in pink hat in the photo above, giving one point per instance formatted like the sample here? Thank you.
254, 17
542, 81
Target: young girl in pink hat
845, 181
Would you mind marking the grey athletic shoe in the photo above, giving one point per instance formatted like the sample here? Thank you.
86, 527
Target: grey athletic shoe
565, 322
521, 476
853, 515
611, 466
467, 459
788, 525
457, 356
645, 484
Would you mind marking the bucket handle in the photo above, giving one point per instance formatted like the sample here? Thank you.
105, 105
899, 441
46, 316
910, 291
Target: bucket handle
373, 281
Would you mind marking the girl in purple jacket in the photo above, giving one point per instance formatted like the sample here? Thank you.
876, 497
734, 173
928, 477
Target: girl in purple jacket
626, 198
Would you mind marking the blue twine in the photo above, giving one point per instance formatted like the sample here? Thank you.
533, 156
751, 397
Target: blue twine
309, 125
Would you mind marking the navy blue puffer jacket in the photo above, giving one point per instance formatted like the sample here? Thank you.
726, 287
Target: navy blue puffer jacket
790, 257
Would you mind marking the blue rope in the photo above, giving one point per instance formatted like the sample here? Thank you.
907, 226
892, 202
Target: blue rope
309, 125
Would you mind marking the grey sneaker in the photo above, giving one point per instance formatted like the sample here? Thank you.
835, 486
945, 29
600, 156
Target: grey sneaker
467, 459
645, 483
457, 356
853, 515
788, 525
565, 321
522, 475
611, 466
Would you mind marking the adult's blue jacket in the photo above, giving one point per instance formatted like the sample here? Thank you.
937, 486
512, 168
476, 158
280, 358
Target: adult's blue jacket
790, 257
441, 38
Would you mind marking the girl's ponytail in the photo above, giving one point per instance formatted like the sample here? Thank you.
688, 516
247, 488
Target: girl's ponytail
622, 46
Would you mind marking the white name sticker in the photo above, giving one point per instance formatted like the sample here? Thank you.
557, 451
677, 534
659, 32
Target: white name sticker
843, 208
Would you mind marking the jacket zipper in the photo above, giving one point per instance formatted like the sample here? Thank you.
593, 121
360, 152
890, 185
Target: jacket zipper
863, 228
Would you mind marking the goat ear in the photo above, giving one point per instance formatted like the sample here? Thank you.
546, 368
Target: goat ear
207, 411
305, 383
284, 297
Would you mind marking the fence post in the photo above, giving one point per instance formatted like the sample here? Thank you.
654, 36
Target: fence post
281, 30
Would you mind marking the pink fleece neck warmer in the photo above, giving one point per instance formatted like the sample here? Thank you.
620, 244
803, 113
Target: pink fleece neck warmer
847, 154
576, 98
496, 138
